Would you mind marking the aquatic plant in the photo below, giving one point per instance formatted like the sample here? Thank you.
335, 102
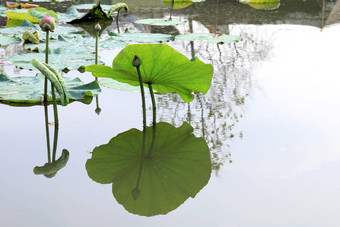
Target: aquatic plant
116, 8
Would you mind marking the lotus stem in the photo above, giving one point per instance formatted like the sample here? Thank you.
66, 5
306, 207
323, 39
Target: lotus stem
117, 23
46, 61
47, 134
142, 94
55, 110
96, 59
172, 8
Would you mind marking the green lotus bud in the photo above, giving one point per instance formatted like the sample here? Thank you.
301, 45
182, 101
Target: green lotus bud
97, 27
136, 62
47, 23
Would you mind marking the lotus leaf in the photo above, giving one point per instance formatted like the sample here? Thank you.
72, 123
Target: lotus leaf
50, 169
21, 16
159, 21
117, 7
178, 4
166, 69
152, 183
209, 38
5, 41
262, 4
31, 89
40, 12
141, 37
95, 13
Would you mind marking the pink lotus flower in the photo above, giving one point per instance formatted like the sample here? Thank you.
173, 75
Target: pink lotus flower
47, 23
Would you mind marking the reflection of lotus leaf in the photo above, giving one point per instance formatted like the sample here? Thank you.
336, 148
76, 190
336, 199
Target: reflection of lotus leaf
50, 169
178, 168
166, 69
31, 89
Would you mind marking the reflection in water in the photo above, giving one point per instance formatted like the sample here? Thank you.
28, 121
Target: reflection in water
52, 166
152, 173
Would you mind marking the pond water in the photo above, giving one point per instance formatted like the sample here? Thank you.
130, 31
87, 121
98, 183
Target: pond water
271, 121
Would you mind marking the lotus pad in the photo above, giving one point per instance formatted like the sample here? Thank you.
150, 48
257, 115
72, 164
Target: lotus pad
209, 38
31, 89
5, 41
159, 22
152, 183
162, 66
141, 37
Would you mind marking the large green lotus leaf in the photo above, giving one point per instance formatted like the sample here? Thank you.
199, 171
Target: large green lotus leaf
5, 41
22, 16
166, 69
159, 21
209, 38
31, 89
141, 37
152, 183
40, 12
52, 168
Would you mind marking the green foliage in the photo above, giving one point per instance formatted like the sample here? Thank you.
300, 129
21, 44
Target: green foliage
156, 183
166, 69
30, 37
21, 16
53, 75
262, 4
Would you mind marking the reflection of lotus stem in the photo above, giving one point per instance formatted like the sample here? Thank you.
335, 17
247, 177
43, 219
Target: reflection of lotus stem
55, 110
55, 140
46, 61
153, 119
142, 94
172, 7
47, 134
117, 23
96, 59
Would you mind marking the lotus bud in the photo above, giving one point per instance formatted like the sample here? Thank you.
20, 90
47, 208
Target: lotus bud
136, 61
47, 23
97, 27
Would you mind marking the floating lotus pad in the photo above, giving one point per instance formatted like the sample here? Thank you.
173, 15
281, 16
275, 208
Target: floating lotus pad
162, 66
209, 38
178, 168
5, 41
141, 37
159, 21
31, 89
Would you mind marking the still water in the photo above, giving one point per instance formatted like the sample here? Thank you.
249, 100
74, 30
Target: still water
271, 121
